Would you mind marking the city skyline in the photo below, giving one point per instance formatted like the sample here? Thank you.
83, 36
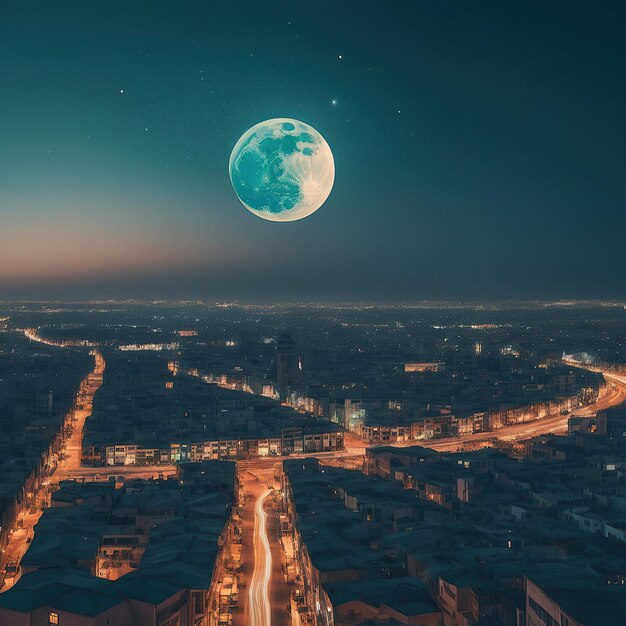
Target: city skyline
169, 464
478, 150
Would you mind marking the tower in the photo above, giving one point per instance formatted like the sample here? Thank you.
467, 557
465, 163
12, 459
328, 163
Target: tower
287, 364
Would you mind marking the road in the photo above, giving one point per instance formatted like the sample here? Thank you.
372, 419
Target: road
84, 400
94, 474
550, 424
557, 423
258, 593
66, 463
262, 557
355, 449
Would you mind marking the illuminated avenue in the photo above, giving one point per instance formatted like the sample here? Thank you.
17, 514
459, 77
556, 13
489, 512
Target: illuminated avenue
259, 598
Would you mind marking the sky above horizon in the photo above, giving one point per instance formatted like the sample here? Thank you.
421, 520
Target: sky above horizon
479, 150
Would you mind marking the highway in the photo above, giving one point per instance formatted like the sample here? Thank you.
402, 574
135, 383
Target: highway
259, 605
556, 423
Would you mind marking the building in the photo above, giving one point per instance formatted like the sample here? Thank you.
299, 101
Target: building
145, 553
288, 365
562, 601
336, 521
145, 414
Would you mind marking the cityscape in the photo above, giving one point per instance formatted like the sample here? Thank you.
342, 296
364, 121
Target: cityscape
225, 464
312, 313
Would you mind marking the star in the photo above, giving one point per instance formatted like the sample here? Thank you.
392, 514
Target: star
341, 56
333, 102
121, 91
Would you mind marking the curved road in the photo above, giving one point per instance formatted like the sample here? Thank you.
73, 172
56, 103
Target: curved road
258, 593
545, 425
355, 449
555, 423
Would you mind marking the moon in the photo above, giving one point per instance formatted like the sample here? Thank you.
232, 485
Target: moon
282, 170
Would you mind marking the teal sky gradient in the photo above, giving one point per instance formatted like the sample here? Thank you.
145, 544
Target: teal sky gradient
479, 150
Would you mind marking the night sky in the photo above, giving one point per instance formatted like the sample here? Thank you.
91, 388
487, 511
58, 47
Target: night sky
479, 148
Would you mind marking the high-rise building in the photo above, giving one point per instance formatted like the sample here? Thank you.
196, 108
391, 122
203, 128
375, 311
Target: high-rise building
287, 363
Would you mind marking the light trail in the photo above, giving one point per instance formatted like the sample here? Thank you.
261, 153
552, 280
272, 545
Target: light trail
258, 594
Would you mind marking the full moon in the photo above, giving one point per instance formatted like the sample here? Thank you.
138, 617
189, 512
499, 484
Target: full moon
282, 170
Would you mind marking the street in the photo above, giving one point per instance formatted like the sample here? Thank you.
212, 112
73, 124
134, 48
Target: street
262, 561
258, 593
66, 463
